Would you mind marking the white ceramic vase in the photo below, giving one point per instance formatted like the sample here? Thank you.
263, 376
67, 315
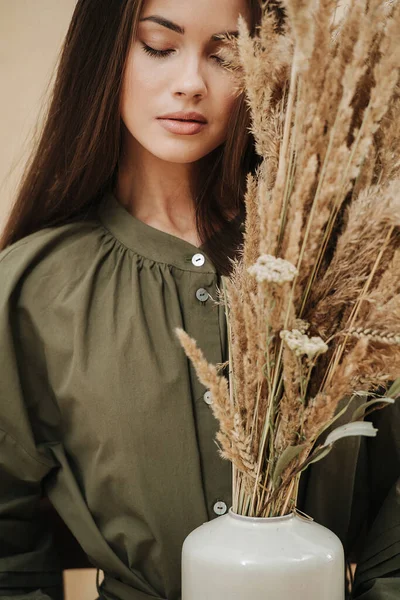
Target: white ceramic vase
234, 557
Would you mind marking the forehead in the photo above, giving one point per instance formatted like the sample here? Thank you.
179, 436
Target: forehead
208, 16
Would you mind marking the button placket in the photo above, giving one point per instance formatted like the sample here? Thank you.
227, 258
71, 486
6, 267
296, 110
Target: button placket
205, 323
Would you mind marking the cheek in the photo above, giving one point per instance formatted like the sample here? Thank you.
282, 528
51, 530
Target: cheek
139, 84
227, 100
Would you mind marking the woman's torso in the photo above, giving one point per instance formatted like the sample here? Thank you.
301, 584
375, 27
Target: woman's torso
117, 406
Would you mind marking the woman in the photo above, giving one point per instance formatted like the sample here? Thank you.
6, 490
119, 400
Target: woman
124, 223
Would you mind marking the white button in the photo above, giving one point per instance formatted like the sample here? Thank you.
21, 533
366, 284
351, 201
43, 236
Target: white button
198, 260
208, 397
220, 508
202, 295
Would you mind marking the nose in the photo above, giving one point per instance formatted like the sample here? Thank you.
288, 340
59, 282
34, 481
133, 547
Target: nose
190, 80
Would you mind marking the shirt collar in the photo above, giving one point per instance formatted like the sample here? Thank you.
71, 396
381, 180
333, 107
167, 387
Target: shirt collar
149, 241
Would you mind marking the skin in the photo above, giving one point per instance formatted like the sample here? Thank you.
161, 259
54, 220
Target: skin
157, 166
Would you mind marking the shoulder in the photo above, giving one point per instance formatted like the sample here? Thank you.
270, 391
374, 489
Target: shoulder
48, 259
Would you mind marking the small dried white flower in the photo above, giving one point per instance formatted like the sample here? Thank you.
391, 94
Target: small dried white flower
302, 344
301, 325
273, 269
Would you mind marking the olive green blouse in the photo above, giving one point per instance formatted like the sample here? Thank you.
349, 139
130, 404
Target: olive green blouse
101, 411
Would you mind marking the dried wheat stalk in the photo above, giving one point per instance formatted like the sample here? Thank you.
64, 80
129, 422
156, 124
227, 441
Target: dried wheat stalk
313, 305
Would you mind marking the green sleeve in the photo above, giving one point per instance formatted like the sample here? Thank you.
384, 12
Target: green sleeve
378, 569
29, 568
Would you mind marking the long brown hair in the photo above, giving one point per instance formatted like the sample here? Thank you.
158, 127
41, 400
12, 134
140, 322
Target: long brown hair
75, 160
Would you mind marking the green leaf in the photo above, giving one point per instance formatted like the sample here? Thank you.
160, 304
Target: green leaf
284, 460
394, 390
317, 455
349, 430
335, 418
358, 414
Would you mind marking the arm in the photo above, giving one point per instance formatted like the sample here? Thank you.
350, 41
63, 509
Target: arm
378, 571
28, 563
29, 566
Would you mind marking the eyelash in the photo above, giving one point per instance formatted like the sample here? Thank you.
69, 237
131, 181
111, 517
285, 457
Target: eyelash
165, 53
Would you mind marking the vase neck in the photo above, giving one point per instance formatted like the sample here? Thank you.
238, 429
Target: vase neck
247, 519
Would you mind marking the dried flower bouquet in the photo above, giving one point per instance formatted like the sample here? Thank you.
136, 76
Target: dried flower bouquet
313, 303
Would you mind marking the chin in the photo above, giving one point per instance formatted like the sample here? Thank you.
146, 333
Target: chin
183, 151
179, 155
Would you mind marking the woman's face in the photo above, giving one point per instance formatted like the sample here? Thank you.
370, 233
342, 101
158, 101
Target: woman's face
172, 67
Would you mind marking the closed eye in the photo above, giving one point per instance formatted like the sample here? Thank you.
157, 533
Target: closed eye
157, 53
164, 53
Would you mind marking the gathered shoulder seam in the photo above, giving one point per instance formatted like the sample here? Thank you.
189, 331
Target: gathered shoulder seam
159, 262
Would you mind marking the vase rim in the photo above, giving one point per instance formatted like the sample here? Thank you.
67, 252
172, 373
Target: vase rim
260, 519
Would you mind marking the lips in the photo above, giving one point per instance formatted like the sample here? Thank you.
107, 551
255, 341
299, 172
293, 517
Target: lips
182, 127
192, 116
186, 120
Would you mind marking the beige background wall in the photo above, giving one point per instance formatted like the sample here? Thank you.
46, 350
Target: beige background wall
31, 33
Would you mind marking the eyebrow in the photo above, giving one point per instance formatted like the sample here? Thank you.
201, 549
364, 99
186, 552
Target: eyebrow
178, 29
